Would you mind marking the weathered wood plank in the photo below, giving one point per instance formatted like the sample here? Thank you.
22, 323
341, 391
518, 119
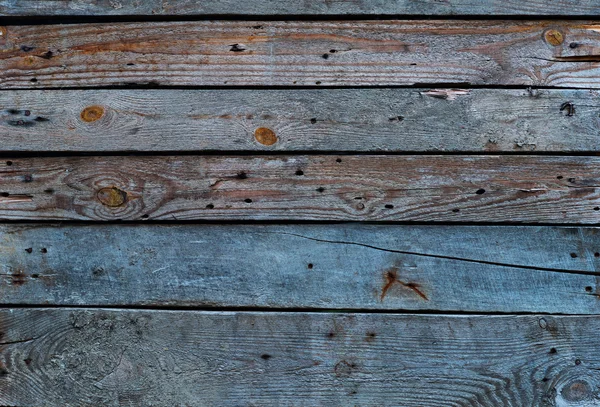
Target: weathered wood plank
283, 7
307, 120
477, 269
314, 187
151, 358
551, 53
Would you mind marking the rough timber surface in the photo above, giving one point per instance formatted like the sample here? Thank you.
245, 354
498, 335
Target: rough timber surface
550, 189
296, 53
437, 268
78, 357
295, 7
390, 120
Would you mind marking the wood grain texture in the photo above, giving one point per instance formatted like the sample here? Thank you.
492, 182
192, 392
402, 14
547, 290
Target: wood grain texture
151, 358
367, 187
439, 268
391, 120
376, 53
283, 7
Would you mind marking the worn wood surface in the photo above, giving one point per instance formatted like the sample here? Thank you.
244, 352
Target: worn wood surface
439, 268
394, 120
310, 7
300, 187
115, 358
295, 53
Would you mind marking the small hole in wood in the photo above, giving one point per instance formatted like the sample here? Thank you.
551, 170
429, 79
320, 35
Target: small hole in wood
588, 289
310, 266
9, 163
480, 191
44, 250
596, 254
210, 206
29, 250
559, 177
242, 175
573, 255
313, 120
320, 189
4, 194
325, 56
248, 200
299, 172
35, 275
265, 356
145, 216
388, 206
33, 80
49, 191
455, 210
597, 208
338, 160
553, 351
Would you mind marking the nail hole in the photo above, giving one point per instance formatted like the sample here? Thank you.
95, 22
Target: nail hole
35, 275
29, 250
242, 175
389, 206
325, 56
573, 255
320, 189
44, 250
265, 356
573, 45
145, 216
596, 254
310, 266
318, 82
210, 206
248, 200
33, 80
559, 177
339, 160
49, 191
456, 210
577, 361
597, 208
313, 120
552, 351
9, 163
299, 172
588, 289
480, 191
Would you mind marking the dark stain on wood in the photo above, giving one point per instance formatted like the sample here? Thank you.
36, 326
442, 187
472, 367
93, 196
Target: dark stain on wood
391, 277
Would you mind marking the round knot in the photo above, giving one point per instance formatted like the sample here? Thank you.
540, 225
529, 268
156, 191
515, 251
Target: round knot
92, 113
112, 196
265, 136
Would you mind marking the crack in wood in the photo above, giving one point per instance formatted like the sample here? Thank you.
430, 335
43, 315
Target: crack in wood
439, 256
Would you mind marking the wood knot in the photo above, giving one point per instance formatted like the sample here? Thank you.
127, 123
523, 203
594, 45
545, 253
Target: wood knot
112, 196
92, 113
553, 37
577, 391
265, 136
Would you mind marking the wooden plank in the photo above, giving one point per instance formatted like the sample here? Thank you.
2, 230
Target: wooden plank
391, 120
376, 53
439, 268
314, 187
81, 357
283, 7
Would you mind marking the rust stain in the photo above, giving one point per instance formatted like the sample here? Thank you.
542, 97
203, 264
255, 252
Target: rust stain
553, 37
112, 196
92, 113
391, 278
265, 136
